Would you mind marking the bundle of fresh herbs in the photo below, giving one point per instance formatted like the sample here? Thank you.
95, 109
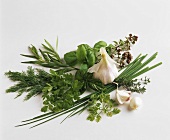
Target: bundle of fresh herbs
99, 70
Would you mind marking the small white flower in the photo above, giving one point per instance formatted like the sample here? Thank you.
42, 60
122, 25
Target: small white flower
106, 69
135, 103
122, 96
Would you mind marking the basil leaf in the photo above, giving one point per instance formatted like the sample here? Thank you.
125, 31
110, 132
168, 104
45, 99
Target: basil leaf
81, 53
100, 44
83, 67
70, 58
91, 59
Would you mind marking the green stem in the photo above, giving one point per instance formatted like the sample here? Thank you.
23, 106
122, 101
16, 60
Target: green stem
130, 66
145, 70
58, 115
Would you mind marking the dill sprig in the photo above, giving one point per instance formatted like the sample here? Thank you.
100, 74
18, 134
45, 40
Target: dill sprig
31, 81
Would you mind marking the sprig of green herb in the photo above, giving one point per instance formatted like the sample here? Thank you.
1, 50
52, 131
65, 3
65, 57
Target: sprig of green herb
32, 81
101, 104
48, 57
136, 85
61, 93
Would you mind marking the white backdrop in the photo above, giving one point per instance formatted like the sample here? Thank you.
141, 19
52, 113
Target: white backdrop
25, 22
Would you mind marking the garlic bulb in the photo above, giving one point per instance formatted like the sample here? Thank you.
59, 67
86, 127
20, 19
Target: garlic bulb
106, 69
135, 103
122, 96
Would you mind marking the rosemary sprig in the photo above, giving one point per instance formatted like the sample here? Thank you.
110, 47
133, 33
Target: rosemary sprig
48, 57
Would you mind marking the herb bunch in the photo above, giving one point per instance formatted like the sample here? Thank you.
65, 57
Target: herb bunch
31, 81
64, 86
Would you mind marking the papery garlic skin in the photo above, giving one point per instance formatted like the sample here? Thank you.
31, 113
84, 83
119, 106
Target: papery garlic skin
122, 96
135, 103
106, 69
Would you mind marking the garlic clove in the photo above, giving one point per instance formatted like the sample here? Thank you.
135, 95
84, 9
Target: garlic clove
122, 96
106, 69
110, 60
135, 103
94, 68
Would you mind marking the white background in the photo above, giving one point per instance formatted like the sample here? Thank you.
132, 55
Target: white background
25, 22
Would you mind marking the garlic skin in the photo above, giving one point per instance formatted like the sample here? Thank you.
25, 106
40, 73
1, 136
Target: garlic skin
135, 103
122, 96
106, 69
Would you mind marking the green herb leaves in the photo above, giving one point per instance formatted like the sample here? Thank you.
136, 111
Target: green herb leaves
101, 104
100, 44
32, 81
61, 93
91, 58
47, 57
63, 87
71, 58
81, 53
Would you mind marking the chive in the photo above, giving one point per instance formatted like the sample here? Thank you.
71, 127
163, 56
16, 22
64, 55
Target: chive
146, 70
131, 62
139, 67
49, 113
156, 65
68, 116
139, 73
129, 66
146, 62
58, 115
136, 66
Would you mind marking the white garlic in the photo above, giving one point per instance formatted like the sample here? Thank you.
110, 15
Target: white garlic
122, 96
106, 69
135, 103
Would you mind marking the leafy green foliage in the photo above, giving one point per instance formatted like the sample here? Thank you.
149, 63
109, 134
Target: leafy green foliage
32, 81
91, 59
48, 57
71, 58
62, 89
101, 104
61, 93
81, 53
100, 44
136, 85
86, 55
88, 100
